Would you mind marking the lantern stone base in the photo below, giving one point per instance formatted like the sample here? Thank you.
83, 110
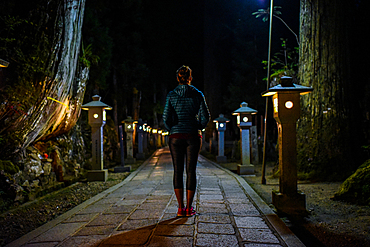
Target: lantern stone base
97, 175
221, 159
119, 169
245, 169
130, 160
290, 204
140, 156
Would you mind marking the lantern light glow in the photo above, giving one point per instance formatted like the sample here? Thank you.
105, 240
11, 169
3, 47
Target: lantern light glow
289, 104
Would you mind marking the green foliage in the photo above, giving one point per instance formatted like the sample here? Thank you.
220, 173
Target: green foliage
8, 167
284, 62
87, 57
356, 188
264, 13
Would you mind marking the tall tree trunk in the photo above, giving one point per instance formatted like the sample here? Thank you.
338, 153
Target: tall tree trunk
324, 133
115, 105
55, 103
136, 100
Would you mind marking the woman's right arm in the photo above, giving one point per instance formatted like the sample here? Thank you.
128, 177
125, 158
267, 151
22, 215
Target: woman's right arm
204, 115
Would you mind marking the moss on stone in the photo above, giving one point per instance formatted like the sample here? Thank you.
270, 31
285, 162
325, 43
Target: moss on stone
356, 188
8, 167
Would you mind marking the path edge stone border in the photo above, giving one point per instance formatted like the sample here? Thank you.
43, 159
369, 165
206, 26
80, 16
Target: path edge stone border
47, 226
285, 233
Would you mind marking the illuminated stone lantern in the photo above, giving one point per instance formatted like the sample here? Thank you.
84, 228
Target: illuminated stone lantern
146, 137
3, 63
203, 139
129, 129
150, 137
140, 140
286, 102
163, 135
165, 138
154, 133
221, 128
97, 120
244, 121
159, 138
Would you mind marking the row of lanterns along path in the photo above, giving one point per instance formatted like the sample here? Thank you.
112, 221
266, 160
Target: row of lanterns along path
244, 122
97, 118
286, 103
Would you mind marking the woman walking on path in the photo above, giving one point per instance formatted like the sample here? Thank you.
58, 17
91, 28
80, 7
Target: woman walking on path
185, 113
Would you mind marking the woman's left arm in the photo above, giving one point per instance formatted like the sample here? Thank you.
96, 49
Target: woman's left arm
167, 114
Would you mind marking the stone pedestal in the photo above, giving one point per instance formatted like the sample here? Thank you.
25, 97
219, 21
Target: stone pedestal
130, 160
140, 156
254, 145
294, 204
122, 167
140, 142
221, 159
245, 169
119, 169
130, 149
97, 175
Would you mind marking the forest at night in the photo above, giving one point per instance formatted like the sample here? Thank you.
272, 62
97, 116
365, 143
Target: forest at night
56, 55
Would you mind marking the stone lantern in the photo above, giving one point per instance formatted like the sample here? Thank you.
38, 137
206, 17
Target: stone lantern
221, 128
159, 138
140, 140
153, 133
244, 122
129, 129
97, 120
3, 63
165, 138
146, 137
122, 167
286, 102
151, 138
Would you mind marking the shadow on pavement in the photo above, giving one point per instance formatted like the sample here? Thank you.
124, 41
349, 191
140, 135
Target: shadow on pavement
171, 232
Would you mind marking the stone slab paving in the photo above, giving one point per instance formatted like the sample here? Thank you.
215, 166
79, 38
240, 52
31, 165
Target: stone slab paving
141, 211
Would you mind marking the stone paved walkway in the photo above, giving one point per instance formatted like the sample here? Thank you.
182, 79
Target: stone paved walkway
141, 211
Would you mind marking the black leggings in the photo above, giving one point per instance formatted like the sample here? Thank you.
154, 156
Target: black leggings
181, 148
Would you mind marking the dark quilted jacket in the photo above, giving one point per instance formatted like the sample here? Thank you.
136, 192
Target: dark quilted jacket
186, 110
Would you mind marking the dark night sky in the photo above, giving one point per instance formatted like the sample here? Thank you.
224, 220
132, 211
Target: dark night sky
178, 28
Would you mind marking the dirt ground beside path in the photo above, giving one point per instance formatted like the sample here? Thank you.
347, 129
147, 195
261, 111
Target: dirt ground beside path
330, 223
20, 220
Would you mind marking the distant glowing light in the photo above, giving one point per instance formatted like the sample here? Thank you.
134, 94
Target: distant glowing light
245, 119
289, 104
222, 125
96, 115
